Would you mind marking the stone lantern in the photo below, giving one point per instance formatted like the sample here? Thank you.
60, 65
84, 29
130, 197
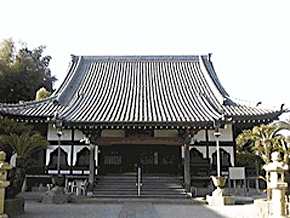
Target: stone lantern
4, 166
276, 183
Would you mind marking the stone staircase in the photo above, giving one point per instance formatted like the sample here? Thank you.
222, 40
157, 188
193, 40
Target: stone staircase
124, 186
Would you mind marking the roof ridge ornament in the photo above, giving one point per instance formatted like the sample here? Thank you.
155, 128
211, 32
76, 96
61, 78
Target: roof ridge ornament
209, 57
282, 107
74, 58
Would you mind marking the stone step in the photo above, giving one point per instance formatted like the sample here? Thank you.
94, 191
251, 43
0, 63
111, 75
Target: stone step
152, 186
121, 189
159, 196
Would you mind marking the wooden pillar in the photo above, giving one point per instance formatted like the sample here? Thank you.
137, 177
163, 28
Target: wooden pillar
92, 170
207, 144
186, 167
96, 159
72, 151
92, 164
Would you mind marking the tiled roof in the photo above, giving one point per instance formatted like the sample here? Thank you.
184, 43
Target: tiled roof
141, 90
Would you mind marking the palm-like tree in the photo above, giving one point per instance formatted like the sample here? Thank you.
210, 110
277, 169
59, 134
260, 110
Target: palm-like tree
24, 141
263, 140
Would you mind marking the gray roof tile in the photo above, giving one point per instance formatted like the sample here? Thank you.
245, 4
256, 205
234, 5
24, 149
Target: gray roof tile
142, 90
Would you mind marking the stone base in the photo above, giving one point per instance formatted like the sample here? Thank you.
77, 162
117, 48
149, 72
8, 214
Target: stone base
263, 207
55, 196
90, 194
220, 200
55, 199
13, 207
243, 200
4, 216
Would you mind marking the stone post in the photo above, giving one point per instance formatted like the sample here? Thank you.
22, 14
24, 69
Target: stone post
4, 166
277, 169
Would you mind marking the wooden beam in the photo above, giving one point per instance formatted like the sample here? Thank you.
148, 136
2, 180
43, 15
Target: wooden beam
175, 141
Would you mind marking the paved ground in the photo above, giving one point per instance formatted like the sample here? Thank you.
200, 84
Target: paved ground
133, 209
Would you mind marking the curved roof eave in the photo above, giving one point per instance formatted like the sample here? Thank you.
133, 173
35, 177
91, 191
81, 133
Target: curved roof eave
140, 90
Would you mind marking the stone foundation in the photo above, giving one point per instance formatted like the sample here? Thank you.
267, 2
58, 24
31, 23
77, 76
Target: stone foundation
14, 207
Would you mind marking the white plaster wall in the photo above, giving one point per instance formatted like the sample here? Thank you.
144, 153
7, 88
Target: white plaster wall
77, 148
78, 135
51, 134
212, 149
228, 149
200, 136
50, 149
227, 134
68, 149
202, 149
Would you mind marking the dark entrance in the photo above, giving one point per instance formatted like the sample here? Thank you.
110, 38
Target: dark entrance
151, 158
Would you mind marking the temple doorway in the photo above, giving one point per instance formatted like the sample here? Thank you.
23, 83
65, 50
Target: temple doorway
152, 159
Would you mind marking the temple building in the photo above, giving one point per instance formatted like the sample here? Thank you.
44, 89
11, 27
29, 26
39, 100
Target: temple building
113, 114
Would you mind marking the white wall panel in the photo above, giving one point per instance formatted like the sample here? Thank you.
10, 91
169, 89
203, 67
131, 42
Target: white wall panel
228, 149
51, 134
77, 148
50, 149
227, 134
202, 149
78, 135
200, 136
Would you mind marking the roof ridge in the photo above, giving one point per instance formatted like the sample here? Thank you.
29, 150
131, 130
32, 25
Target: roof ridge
142, 57
22, 103
253, 103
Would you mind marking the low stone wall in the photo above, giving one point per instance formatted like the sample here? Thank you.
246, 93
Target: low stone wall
200, 192
14, 206
262, 207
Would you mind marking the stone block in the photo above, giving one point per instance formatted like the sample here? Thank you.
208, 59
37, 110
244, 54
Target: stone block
220, 200
14, 206
200, 192
55, 196
55, 199
38, 189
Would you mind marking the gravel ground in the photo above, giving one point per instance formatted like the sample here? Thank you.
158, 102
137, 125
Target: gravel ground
205, 211
135, 210
40, 210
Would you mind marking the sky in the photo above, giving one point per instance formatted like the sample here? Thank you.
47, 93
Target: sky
249, 39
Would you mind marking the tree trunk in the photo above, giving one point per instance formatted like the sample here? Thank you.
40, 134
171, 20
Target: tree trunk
16, 178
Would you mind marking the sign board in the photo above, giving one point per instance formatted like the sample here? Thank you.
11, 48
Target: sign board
237, 173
